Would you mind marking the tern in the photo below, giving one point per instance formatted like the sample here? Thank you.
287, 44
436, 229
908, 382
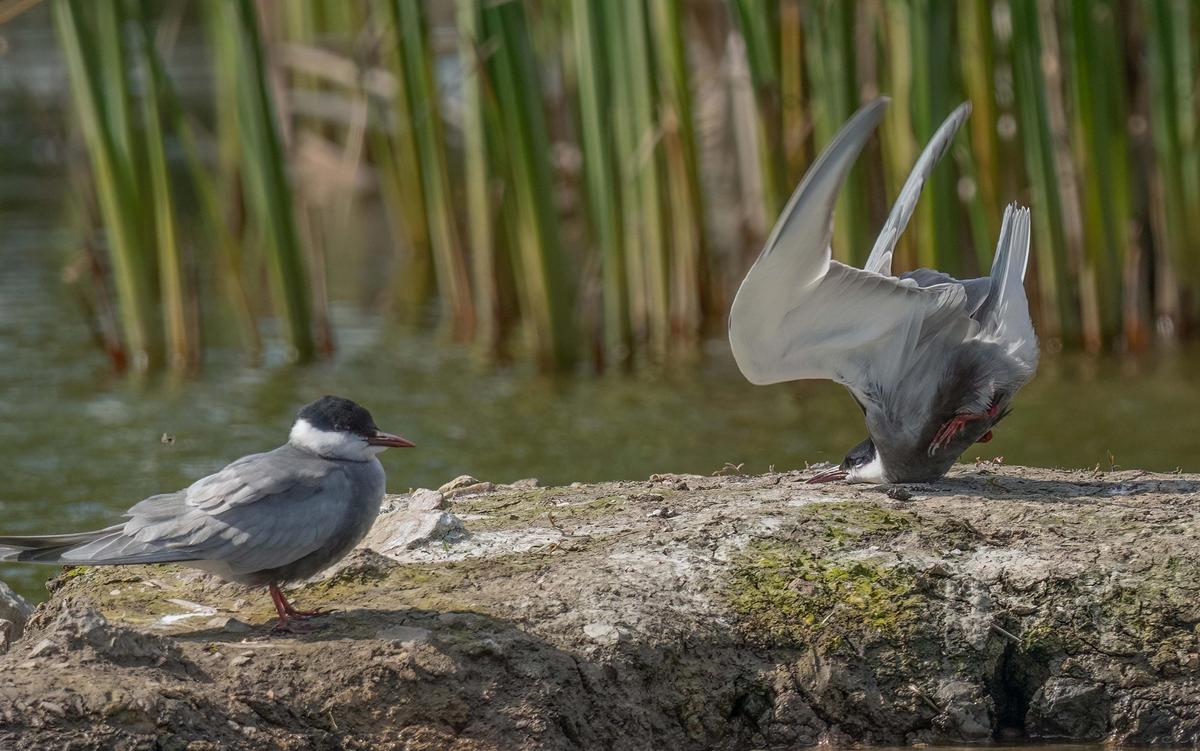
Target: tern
265, 519
934, 362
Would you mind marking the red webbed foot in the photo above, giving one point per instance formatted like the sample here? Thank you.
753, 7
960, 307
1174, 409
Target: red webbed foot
306, 614
288, 615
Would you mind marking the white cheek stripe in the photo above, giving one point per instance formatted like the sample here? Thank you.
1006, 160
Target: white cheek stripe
329, 443
870, 472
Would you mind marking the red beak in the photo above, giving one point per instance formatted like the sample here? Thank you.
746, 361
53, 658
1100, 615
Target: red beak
391, 441
828, 475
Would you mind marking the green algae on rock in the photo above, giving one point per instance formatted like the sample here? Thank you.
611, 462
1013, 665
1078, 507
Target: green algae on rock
785, 593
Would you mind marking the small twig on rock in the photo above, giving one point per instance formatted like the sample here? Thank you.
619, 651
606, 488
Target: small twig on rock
1005, 633
729, 469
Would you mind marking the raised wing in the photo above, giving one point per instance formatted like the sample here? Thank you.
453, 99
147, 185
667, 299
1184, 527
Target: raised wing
976, 289
880, 260
799, 314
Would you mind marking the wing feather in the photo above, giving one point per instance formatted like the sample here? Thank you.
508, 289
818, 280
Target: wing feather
280, 500
880, 260
798, 314
1004, 315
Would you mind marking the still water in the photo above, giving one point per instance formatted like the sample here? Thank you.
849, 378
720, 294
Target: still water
79, 445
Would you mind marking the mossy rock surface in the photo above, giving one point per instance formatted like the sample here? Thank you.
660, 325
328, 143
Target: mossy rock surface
681, 612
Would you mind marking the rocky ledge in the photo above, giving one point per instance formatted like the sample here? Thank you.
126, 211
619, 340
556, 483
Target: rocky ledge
727, 612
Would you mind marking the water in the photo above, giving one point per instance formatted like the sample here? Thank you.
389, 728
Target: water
80, 445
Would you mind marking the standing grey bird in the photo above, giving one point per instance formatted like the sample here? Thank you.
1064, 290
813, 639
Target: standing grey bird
933, 361
265, 519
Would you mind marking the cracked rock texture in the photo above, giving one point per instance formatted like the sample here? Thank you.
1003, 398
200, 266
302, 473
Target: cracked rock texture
14, 612
760, 613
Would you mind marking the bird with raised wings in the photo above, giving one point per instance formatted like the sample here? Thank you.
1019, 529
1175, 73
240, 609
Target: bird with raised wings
934, 362
264, 520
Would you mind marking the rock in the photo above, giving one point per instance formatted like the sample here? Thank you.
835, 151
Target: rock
462, 481
15, 609
7, 635
968, 712
465, 485
478, 488
413, 529
242, 659
766, 614
363, 564
423, 499
80, 628
938, 569
645, 498
527, 483
404, 634
230, 625
602, 633
1068, 708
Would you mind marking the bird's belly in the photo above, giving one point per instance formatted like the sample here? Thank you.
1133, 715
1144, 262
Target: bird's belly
916, 465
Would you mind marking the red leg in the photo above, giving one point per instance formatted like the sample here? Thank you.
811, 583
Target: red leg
955, 424
291, 611
290, 620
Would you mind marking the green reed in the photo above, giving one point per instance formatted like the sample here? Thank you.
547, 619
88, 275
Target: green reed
96, 62
424, 113
269, 192
558, 191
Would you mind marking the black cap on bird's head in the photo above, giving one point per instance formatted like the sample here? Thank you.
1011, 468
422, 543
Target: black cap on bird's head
335, 414
861, 464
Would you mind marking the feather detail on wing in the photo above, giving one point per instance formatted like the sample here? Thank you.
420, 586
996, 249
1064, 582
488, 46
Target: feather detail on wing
283, 501
1004, 315
880, 260
798, 314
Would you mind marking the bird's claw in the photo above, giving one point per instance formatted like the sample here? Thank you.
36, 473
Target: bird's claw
950, 429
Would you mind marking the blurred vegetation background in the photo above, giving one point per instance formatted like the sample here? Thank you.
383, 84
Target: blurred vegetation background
584, 183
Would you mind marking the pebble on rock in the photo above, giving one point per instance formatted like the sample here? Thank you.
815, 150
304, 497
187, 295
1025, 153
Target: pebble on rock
423, 499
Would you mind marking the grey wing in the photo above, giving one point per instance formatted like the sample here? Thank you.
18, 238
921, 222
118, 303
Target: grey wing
1004, 315
798, 314
254, 477
975, 289
880, 260
262, 511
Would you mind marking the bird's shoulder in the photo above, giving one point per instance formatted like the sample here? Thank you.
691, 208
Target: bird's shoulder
284, 470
